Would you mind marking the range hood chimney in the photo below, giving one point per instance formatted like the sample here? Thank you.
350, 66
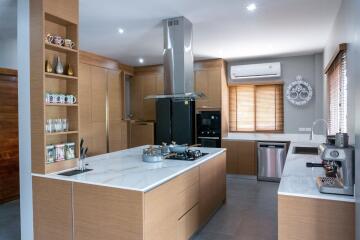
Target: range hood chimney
178, 60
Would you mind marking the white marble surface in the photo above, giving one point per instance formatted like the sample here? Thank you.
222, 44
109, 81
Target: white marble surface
126, 170
275, 137
298, 180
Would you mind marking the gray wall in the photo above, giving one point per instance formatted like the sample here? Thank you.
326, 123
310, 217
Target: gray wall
311, 68
347, 29
8, 52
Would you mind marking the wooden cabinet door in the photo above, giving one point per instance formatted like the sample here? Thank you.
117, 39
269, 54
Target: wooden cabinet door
141, 133
85, 91
98, 110
9, 153
117, 129
241, 157
208, 81
212, 186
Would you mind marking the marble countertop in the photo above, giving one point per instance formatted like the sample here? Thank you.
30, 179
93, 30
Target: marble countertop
298, 180
294, 137
126, 170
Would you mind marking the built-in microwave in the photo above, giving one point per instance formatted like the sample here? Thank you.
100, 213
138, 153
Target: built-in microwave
208, 125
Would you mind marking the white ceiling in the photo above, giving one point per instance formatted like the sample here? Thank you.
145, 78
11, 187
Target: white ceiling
221, 28
7, 19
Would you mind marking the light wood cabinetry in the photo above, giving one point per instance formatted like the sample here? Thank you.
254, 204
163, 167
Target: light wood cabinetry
141, 133
241, 157
101, 112
147, 81
314, 219
107, 213
48, 16
52, 204
208, 81
212, 187
174, 210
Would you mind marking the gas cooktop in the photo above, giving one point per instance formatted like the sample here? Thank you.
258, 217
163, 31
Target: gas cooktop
188, 155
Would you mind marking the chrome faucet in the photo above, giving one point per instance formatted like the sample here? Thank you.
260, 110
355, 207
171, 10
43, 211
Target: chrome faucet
314, 124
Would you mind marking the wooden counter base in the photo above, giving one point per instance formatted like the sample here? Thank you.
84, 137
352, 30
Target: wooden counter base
174, 210
302, 218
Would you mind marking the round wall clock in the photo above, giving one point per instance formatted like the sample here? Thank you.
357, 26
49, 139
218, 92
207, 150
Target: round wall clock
299, 92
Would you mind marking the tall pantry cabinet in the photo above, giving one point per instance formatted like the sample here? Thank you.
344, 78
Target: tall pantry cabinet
101, 112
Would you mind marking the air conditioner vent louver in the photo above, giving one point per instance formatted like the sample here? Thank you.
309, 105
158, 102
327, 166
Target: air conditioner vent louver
255, 71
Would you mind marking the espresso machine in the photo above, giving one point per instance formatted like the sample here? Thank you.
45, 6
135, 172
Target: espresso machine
338, 163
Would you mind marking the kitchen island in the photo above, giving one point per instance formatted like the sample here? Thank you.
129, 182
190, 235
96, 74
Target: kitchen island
304, 212
126, 198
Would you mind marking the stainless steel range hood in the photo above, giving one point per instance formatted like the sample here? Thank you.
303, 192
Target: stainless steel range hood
178, 60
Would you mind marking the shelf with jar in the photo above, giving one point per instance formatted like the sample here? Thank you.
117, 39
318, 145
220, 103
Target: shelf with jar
60, 152
61, 99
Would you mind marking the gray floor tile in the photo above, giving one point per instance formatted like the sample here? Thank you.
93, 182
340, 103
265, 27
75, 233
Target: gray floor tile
10, 220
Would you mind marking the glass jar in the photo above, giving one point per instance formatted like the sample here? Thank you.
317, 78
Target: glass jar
50, 153
60, 152
69, 151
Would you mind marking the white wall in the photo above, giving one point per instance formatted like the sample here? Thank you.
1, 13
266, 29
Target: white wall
8, 52
311, 68
347, 30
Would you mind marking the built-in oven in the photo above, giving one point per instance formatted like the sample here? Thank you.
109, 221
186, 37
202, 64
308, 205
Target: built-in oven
208, 125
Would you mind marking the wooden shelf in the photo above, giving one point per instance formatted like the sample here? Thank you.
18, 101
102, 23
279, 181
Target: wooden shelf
61, 133
60, 165
61, 104
55, 75
60, 48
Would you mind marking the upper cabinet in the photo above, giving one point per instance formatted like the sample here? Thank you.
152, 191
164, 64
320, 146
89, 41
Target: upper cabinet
208, 82
147, 81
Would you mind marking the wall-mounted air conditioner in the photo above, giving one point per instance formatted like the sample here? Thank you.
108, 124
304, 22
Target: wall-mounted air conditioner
239, 73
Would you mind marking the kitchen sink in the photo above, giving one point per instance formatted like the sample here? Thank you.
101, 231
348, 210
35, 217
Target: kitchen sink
74, 172
306, 150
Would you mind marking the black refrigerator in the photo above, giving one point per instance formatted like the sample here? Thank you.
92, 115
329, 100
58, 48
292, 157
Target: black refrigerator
175, 121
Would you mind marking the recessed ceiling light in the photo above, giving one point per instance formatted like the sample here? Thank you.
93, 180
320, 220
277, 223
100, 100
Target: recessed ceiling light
251, 7
141, 60
120, 30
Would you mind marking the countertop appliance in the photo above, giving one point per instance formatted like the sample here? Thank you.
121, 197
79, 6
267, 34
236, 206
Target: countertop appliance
208, 124
175, 121
188, 155
271, 160
338, 164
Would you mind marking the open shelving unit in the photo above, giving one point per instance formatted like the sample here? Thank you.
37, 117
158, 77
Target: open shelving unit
58, 19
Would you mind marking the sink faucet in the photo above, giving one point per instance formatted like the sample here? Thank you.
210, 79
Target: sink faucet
314, 124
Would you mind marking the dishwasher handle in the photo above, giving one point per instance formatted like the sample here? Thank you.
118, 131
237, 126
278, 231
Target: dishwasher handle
272, 145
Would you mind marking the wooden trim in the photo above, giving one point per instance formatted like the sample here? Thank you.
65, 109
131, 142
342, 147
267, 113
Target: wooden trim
8, 71
104, 62
340, 48
148, 69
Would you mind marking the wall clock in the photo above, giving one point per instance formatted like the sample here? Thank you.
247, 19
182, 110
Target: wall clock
299, 92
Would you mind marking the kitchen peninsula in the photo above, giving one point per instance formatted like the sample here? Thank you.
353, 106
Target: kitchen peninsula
126, 198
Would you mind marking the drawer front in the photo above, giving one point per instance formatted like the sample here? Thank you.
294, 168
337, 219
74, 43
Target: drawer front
188, 191
188, 224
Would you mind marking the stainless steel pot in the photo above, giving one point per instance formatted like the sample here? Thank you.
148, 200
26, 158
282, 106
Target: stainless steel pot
152, 155
174, 148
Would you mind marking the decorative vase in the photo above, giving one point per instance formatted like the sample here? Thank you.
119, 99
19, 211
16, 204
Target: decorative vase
59, 66
69, 70
48, 66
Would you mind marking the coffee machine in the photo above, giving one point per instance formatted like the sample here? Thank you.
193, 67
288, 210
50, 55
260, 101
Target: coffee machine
338, 163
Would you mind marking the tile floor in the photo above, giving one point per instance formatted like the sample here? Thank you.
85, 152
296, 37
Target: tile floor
10, 220
250, 213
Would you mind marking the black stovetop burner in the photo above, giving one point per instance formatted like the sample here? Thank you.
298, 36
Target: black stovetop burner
188, 155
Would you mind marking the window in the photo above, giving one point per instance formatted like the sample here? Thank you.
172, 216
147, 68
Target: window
337, 94
256, 108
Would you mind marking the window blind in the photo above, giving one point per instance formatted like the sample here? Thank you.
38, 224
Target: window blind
337, 94
256, 108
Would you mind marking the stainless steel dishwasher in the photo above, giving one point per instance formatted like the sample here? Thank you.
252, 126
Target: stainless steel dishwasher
271, 160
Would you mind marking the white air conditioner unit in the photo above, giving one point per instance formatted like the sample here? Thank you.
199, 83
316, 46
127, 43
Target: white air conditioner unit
255, 71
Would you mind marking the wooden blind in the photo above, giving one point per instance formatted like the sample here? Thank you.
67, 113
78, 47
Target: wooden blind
337, 95
256, 108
